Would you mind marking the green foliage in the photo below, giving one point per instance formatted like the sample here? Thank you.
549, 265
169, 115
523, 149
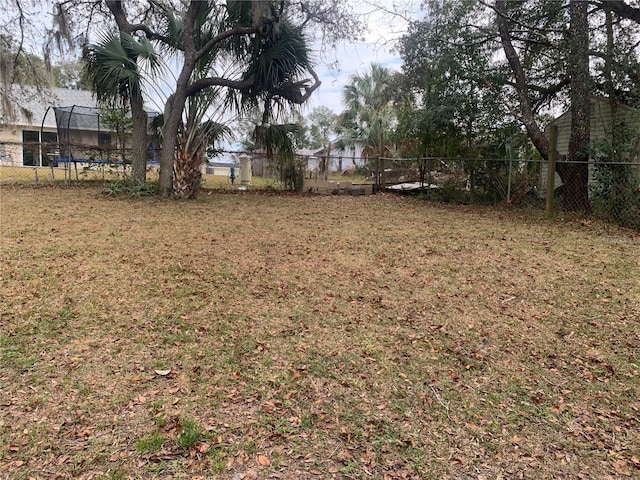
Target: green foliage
322, 123
369, 116
69, 75
116, 120
190, 433
278, 142
489, 180
364, 170
615, 188
113, 67
26, 68
459, 95
446, 108
291, 173
126, 187
150, 444
276, 62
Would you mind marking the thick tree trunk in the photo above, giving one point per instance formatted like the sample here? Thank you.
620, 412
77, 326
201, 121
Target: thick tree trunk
174, 107
576, 175
139, 142
138, 115
187, 173
172, 119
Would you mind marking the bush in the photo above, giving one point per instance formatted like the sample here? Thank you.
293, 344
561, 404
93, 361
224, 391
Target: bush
126, 187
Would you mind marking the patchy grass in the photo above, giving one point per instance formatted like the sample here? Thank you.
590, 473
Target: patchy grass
150, 443
261, 336
103, 175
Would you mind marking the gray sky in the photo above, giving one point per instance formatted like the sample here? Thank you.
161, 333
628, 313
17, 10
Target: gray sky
383, 31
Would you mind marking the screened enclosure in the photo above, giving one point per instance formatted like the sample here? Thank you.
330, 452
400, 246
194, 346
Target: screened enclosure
84, 136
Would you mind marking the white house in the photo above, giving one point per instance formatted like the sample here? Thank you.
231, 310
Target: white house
55, 125
30, 139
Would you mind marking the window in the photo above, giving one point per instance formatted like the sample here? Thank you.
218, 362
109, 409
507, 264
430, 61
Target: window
30, 147
49, 148
104, 139
36, 152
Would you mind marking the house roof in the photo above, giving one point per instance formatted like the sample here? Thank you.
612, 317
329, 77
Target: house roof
306, 152
31, 104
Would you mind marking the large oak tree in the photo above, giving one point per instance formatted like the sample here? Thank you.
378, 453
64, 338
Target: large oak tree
532, 57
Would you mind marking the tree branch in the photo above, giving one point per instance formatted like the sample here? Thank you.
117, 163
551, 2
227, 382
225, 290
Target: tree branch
622, 9
292, 95
526, 111
116, 8
208, 82
295, 96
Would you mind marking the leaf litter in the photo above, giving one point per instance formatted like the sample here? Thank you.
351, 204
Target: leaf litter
313, 337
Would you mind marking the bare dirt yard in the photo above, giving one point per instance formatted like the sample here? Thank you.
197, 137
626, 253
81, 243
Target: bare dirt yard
254, 336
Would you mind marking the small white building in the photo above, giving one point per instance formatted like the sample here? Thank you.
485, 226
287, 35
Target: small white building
338, 160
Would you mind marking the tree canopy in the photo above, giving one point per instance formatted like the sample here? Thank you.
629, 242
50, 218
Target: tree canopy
474, 67
256, 50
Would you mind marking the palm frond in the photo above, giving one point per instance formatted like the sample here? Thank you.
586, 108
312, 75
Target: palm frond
112, 68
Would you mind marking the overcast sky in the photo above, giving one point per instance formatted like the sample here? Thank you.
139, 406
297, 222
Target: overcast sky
334, 68
383, 31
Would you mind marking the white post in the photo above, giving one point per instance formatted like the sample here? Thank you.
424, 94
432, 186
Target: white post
245, 169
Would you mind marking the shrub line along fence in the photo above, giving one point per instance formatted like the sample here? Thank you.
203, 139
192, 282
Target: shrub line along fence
613, 187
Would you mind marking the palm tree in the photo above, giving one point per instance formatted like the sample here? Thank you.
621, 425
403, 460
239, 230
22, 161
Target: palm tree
269, 64
368, 113
193, 139
113, 68
196, 130
276, 63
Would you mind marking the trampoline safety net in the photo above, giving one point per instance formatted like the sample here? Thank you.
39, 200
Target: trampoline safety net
81, 135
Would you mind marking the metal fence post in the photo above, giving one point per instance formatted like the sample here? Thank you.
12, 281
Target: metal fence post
429, 179
551, 167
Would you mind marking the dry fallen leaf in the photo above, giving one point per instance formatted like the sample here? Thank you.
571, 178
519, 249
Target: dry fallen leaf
262, 460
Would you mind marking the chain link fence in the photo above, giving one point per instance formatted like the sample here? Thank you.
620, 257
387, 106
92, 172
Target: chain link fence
54, 162
610, 191
607, 190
